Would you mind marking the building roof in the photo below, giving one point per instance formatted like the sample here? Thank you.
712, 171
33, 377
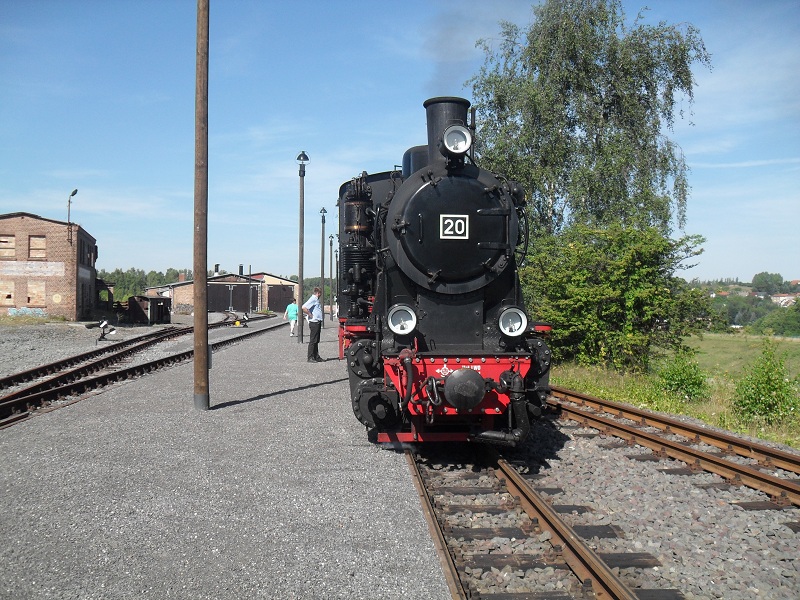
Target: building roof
263, 275
32, 216
56, 221
254, 277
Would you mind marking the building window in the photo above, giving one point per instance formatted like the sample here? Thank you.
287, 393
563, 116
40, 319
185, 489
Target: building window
36, 295
6, 293
37, 246
7, 246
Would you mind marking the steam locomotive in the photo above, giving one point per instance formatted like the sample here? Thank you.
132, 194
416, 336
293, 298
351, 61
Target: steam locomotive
432, 322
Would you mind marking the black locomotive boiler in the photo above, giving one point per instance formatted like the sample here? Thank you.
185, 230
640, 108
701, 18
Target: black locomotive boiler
438, 344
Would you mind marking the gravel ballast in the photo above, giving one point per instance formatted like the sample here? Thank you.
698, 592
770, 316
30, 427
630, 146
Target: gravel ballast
708, 546
274, 493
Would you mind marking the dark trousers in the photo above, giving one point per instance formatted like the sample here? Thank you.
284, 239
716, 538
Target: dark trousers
314, 328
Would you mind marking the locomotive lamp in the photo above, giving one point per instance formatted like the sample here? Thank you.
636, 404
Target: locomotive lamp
401, 319
456, 141
513, 322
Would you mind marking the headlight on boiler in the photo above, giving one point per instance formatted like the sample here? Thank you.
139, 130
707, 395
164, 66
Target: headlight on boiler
513, 322
401, 319
457, 140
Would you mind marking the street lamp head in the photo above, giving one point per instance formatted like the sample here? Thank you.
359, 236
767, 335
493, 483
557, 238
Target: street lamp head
323, 211
69, 225
302, 159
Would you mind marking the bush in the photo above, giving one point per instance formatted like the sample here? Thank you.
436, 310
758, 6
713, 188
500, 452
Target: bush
612, 295
682, 376
765, 392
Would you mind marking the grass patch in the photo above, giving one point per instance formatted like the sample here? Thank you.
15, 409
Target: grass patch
725, 360
19, 320
729, 354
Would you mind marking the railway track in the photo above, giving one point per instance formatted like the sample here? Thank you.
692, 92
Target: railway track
759, 466
497, 537
500, 532
74, 376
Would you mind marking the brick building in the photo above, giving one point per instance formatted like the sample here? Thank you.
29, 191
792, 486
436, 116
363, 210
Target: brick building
47, 267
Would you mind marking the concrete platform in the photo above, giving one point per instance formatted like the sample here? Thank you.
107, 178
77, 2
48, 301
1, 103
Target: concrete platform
274, 493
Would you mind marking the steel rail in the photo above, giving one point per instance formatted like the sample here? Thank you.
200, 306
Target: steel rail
781, 490
580, 558
16, 409
112, 348
54, 367
765, 455
65, 377
449, 567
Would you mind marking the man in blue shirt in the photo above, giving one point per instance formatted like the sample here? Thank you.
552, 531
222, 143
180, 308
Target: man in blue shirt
313, 309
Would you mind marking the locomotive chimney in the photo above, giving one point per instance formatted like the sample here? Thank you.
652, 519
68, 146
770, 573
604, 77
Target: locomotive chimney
442, 112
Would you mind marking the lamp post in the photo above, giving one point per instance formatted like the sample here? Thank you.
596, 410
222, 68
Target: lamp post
69, 225
330, 268
302, 159
323, 212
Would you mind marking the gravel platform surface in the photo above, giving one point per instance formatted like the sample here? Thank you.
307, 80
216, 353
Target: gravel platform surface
274, 493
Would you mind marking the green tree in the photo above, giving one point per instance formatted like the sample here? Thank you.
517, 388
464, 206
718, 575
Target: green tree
742, 310
574, 107
769, 283
126, 283
612, 296
309, 283
154, 279
173, 275
781, 321
134, 281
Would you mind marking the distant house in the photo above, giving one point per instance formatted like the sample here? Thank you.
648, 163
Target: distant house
47, 267
256, 292
784, 300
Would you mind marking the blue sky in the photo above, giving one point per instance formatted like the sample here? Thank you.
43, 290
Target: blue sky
98, 95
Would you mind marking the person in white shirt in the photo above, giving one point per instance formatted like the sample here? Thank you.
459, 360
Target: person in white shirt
313, 310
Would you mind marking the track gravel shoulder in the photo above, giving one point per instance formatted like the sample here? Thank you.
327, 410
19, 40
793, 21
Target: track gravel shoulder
274, 493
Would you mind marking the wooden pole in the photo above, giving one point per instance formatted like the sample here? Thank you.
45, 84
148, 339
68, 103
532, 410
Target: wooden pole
201, 356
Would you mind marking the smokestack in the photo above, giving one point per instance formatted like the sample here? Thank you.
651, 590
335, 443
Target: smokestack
442, 112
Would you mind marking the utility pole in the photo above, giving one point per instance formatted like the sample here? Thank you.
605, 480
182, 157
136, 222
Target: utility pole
201, 356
